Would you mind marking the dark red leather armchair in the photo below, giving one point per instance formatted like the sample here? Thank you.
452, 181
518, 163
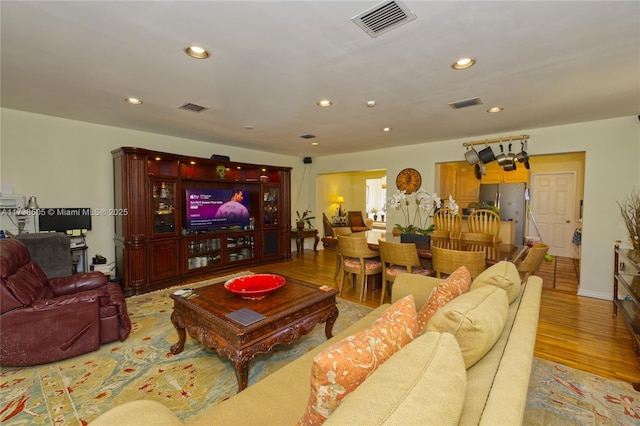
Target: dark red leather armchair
44, 320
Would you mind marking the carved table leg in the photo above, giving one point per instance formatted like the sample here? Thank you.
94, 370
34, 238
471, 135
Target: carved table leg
182, 334
328, 327
315, 244
299, 246
242, 372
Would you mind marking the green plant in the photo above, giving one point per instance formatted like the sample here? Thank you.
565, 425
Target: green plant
305, 217
630, 211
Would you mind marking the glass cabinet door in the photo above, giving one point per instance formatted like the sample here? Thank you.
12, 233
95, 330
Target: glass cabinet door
270, 204
240, 247
164, 207
203, 253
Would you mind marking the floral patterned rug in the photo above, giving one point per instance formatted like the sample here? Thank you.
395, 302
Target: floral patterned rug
76, 391
561, 395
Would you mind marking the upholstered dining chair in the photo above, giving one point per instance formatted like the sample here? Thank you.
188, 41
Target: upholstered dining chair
398, 258
446, 261
344, 231
446, 220
358, 259
485, 221
356, 221
532, 260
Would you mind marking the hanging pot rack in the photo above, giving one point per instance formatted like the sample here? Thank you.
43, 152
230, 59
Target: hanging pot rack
504, 139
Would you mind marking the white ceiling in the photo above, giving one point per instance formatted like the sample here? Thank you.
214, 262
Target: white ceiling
546, 63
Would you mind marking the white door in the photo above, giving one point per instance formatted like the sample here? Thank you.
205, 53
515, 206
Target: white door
553, 197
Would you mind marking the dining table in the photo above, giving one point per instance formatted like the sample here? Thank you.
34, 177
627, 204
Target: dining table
495, 252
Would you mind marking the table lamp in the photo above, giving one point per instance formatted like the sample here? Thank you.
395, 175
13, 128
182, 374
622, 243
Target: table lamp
340, 200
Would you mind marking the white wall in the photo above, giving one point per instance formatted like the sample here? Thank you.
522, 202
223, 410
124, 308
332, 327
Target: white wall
68, 164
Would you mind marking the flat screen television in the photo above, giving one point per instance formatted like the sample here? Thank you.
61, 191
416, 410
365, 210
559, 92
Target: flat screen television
216, 208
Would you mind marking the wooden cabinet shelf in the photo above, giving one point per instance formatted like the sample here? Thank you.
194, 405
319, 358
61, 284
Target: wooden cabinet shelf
626, 293
155, 247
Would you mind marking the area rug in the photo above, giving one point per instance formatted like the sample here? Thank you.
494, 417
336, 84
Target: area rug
560, 395
77, 390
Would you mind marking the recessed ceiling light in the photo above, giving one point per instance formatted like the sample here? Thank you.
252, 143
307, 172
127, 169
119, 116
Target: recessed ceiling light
249, 127
386, 129
463, 63
495, 109
325, 103
371, 103
196, 52
133, 101
313, 143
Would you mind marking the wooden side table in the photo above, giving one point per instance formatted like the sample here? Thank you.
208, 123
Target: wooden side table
300, 235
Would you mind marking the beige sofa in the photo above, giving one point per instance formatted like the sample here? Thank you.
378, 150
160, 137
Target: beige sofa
492, 392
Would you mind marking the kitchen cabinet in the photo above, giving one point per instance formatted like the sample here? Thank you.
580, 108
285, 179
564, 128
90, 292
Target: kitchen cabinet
495, 174
467, 188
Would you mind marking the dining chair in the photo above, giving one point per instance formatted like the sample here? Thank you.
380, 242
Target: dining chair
398, 258
344, 231
356, 221
440, 234
446, 220
446, 261
485, 221
532, 260
358, 259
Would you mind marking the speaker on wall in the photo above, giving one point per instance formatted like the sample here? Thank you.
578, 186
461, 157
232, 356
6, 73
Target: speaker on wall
306, 160
220, 157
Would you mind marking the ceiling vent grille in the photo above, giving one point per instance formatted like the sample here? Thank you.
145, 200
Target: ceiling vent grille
193, 107
383, 17
465, 103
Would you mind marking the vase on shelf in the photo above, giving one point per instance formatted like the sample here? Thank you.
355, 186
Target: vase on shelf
300, 224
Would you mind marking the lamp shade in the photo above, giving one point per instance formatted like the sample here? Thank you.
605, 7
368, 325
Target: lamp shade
340, 199
33, 204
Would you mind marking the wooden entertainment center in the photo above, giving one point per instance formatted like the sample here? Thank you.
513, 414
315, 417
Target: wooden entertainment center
155, 247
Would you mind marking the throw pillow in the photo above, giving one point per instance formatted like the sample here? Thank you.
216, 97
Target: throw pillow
424, 383
456, 284
476, 319
343, 366
504, 275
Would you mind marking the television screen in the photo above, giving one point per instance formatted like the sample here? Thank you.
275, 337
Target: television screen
216, 208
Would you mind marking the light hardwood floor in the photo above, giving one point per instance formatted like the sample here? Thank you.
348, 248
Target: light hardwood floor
576, 331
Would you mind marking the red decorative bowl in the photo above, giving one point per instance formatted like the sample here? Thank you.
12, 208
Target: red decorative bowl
254, 287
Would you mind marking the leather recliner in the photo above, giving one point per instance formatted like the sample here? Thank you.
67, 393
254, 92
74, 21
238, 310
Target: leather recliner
44, 320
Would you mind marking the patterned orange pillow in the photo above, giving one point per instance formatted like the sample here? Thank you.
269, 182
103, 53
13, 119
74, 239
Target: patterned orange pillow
456, 284
341, 367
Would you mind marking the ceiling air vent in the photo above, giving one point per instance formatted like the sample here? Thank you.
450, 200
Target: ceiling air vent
383, 17
465, 103
193, 107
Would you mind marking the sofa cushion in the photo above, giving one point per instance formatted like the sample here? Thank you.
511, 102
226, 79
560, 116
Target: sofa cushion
504, 275
424, 383
475, 318
343, 366
456, 284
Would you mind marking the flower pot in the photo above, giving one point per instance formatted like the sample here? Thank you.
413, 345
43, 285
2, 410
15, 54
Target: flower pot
300, 225
415, 238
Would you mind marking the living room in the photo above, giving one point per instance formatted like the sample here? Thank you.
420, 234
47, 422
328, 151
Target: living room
67, 161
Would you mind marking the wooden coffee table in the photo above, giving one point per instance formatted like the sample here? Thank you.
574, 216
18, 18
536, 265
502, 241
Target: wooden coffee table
291, 312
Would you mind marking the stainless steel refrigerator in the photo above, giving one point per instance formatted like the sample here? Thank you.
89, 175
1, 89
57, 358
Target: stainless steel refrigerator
510, 199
